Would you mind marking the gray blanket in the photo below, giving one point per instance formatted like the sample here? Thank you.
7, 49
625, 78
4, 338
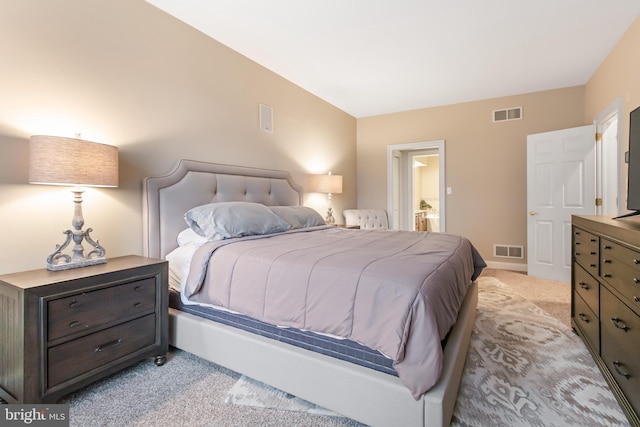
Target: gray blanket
397, 292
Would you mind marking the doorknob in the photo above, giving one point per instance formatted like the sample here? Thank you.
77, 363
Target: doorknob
533, 213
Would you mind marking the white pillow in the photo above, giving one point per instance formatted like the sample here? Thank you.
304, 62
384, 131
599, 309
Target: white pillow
190, 237
225, 220
298, 216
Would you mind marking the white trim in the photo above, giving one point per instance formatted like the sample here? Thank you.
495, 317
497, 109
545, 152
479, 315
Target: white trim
498, 265
413, 146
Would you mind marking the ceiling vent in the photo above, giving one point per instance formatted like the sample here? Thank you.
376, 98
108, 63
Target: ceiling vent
507, 114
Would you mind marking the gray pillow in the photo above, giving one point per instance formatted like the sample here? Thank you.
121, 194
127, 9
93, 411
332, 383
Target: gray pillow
298, 216
225, 220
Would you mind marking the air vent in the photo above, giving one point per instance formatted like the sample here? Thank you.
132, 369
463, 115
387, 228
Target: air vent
507, 114
508, 251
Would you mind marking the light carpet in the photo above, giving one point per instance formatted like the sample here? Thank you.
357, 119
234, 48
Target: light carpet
523, 368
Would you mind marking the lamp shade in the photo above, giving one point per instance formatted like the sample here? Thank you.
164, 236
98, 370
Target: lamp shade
329, 184
70, 161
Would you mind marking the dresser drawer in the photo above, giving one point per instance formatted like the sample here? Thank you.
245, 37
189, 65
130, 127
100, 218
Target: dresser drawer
588, 288
586, 249
88, 310
587, 322
625, 278
620, 349
76, 357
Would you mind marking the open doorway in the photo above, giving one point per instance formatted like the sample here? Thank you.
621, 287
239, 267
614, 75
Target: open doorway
416, 186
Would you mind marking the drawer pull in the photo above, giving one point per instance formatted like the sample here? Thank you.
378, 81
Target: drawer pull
108, 345
619, 324
593, 240
593, 253
606, 261
607, 275
74, 304
636, 280
617, 365
136, 305
594, 266
584, 317
74, 324
636, 299
636, 261
137, 288
577, 243
584, 285
607, 247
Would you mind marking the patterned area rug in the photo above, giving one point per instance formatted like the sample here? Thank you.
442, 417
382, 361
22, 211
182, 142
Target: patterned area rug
524, 368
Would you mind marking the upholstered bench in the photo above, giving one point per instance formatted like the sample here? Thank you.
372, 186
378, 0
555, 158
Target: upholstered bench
367, 219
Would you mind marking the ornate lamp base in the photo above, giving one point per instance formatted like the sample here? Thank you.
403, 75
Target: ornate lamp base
59, 261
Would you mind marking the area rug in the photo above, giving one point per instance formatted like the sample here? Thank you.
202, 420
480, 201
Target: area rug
523, 368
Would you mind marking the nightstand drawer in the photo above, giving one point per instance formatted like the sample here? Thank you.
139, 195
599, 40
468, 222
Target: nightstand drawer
76, 357
87, 310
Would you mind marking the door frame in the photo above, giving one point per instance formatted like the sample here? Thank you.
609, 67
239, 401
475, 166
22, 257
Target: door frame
614, 110
403, 202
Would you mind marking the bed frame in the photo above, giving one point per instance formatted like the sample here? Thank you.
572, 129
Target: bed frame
360, 393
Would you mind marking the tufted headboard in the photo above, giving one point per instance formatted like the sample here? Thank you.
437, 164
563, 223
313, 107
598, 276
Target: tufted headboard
367, 219
191, 183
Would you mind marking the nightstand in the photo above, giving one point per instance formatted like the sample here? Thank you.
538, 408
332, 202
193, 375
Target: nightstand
62, 330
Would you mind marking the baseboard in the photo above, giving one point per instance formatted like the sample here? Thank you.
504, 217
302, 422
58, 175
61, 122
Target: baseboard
507, 266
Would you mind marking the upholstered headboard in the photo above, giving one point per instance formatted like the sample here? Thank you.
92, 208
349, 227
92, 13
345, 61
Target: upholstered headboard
192, 183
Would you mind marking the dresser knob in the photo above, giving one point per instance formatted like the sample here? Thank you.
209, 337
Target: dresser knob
636, 261
606, 261
636, 280
583, 317
137, 288
584, 285
607, 247
606, 275
593, 253
108, 345
74, 304
74, 324
593, 240
136, 305
636, 299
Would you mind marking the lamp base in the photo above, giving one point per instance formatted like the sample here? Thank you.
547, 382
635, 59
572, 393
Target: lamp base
59, 261
329, 219
75, 264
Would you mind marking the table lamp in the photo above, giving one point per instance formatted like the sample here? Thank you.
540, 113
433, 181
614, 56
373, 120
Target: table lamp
330, 184
57, 160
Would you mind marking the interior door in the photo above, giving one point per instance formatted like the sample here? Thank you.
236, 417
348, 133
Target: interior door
561, 181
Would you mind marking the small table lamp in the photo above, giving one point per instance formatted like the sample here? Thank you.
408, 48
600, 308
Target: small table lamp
69, 161
330, 184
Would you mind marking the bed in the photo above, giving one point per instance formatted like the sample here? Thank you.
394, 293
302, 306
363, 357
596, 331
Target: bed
359, 392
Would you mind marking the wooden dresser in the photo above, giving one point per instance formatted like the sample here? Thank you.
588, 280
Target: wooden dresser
605, 301
61, 330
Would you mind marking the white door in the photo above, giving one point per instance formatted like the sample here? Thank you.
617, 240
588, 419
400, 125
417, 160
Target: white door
561, 181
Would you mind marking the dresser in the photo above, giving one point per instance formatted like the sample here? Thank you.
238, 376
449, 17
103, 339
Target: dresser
605, 302
62, 330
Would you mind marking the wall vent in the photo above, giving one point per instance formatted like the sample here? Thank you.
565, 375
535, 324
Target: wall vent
507, 114
508, 251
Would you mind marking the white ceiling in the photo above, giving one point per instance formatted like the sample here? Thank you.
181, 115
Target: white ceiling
370, 57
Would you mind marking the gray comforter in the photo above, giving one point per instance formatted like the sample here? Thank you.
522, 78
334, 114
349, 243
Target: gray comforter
397, 292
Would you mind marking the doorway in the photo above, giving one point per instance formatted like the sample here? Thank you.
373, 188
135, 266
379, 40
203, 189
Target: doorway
415, 174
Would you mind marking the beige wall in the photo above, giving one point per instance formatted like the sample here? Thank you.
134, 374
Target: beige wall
485, 161
124, 73
618, 80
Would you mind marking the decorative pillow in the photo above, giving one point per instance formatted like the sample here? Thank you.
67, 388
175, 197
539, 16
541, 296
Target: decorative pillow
189, 237
298, 216
225, 220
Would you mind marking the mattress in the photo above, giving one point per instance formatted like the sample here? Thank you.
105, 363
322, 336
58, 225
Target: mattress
343, 349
